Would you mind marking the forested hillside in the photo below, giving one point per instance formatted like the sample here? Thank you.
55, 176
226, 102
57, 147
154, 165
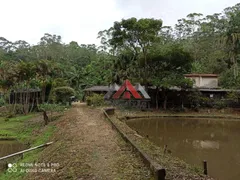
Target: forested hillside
141, 50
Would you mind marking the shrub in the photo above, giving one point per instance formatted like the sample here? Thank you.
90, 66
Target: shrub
51, 108
220, 104
2, 101
10, 110
233, 96
95, 100
206, 102
63, 94
194, 99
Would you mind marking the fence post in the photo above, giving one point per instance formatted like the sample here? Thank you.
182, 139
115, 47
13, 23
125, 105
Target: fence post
160, 174
205, 170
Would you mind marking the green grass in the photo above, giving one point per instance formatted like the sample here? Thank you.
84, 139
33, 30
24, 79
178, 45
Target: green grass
9, 127
34, 133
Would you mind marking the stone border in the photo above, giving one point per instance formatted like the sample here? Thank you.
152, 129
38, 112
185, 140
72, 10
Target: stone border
158, 172
179, 116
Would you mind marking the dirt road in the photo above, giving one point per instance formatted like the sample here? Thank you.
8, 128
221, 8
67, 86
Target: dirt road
86, 147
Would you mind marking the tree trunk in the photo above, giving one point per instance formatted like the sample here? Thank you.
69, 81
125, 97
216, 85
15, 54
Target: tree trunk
157, 92
26, 105
182, 98
43, 93
235, 65
165, 103
37, 99
33, 100
15, 102
165, 99
45, 117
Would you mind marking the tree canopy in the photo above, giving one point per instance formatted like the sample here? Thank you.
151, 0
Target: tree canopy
142, 50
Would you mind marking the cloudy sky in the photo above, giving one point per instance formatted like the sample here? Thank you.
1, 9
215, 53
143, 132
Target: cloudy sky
81, 20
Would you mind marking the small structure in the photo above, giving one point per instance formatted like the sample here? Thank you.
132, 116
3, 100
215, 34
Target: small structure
203, 80
25, 96
113, 88
127, 94
95, 89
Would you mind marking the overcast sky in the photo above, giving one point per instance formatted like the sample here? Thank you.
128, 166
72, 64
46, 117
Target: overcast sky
81, 20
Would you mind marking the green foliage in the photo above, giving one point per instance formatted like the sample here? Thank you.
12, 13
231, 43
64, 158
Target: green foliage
11, 110
2, 101
131, 39
168, 65
227, 80
233, 96
11, 127
198, 67
137, 49
206, 102
63, 94
51, 107
194, 99
95, 100
220, 104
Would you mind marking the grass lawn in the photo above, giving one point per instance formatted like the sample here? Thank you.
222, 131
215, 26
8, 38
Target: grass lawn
9, 128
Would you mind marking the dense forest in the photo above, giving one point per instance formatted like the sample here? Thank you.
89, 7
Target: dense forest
142, 50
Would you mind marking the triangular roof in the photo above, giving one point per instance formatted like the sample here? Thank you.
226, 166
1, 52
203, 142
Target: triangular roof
142, 90
130, 88
112, 88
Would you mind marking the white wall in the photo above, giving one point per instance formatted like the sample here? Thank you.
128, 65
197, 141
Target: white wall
207, 82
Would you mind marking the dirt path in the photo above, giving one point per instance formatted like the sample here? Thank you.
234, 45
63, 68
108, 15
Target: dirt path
86, 147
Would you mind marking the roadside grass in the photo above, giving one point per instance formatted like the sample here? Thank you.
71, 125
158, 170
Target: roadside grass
26, 130
9, 127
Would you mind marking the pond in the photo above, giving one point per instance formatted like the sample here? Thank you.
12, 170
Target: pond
8, 147
193, 140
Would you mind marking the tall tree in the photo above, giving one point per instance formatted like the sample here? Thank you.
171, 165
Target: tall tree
137, 36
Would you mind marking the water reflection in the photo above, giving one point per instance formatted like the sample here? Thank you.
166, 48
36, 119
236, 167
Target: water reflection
197, 144
195, 140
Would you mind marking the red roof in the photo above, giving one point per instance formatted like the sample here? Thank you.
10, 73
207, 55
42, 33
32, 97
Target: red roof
201, 75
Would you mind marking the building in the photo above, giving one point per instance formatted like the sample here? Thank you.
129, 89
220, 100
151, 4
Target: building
25, 96
203, 80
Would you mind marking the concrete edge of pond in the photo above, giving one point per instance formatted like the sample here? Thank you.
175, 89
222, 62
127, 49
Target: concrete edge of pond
179, 116
157, 170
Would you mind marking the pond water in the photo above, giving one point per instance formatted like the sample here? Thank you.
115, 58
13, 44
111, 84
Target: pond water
215, 140
9, 147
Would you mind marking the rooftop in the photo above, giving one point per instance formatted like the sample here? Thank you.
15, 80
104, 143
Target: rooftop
97, 88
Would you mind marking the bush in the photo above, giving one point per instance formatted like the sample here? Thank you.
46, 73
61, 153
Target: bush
95, 100
50, 108
194, 99
206, 102
233, 96
220, 104
2, 101
63, 94
10, 110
